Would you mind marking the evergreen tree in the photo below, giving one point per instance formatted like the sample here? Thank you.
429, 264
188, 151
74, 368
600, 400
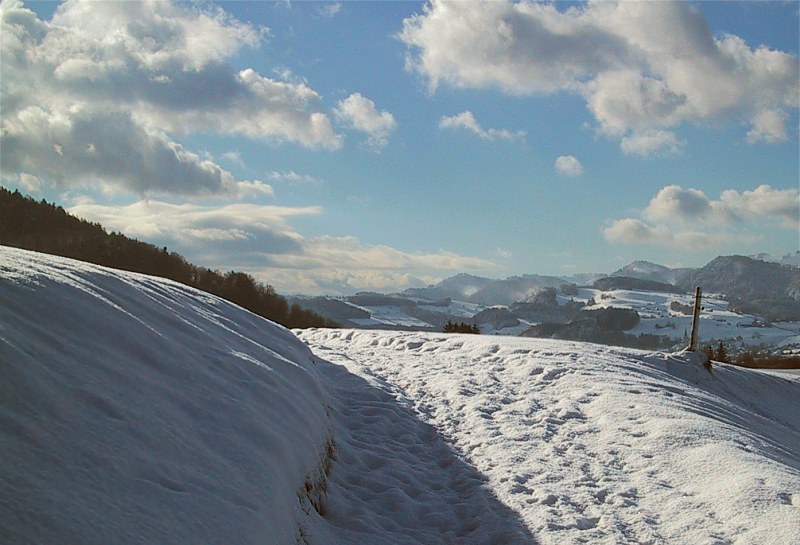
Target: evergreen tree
722, 353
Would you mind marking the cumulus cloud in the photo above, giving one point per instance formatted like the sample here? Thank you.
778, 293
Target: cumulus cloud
108, 149
764, 203
360, 113
100, 91
569, 166
649, 141
688, 219
675, 204
30, 183
466, 120
254, 187
768, 126
640, 66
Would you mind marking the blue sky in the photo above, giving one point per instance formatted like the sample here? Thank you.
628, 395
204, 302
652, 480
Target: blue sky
336, 147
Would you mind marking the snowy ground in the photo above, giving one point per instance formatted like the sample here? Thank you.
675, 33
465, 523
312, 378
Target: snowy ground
474, 439
716, 321
136, 410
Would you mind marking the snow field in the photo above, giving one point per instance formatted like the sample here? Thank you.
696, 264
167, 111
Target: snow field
137, 410
584, 443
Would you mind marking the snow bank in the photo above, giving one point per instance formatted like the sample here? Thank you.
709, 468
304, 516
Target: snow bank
138, 410
473, 439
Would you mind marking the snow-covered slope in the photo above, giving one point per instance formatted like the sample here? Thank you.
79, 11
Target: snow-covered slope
137, 410
474, 439
717, 323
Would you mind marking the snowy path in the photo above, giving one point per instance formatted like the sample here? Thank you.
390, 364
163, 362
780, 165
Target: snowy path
469, 439
404, 483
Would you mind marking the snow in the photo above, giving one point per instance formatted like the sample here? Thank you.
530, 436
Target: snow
584, 443
137, 410
716, 321
387, 315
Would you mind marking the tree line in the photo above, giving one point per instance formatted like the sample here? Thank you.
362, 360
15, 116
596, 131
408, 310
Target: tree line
44, 227
452, 327
754, 358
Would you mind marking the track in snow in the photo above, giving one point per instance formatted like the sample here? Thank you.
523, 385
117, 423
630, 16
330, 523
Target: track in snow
465, 439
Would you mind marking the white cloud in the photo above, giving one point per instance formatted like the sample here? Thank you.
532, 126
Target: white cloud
764, 203
107, 149
688, 219
361, 114
99, 92
233, 157
466, 120
30, 183
639, 65
290, 176
345, 265
569, 166
633, 231
255, 187
330, 10
190, 227
768, 126
260, 239
649, 141
675, 204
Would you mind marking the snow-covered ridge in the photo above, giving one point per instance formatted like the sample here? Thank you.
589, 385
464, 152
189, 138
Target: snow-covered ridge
137, 410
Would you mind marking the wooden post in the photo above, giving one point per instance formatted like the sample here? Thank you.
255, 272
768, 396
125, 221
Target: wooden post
695, 320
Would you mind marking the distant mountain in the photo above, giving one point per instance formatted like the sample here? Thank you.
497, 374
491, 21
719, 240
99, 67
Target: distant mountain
513, 289
583, 279
646, 270
634, 283
751, 285
746, 278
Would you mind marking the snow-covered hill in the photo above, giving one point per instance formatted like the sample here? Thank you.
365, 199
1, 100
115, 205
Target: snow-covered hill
660, 315
136, 410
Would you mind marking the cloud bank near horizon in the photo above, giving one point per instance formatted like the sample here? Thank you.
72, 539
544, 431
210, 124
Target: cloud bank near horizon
260, 240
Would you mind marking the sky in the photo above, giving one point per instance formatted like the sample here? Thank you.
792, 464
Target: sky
330, 148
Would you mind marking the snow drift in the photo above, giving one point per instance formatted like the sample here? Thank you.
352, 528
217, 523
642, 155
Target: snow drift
138, 410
